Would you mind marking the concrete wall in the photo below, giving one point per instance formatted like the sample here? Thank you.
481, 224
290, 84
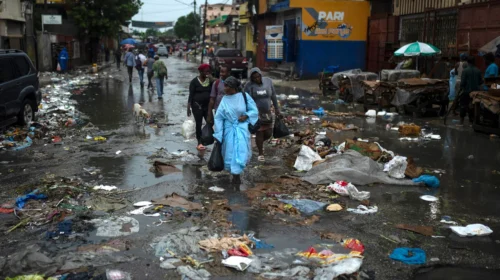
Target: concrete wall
44, 51
11, 10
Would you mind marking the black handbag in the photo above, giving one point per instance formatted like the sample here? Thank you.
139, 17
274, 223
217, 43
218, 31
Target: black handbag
216, 161
252, 128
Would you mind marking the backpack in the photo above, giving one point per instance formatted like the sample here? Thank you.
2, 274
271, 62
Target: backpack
163, 70
138, 63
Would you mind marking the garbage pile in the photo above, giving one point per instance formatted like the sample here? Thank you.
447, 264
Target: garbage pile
56, 113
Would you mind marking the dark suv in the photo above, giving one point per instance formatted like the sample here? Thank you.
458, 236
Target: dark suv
19, 88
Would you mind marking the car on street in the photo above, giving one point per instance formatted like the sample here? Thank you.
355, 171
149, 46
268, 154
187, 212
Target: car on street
19, 88
162, 50
232, 58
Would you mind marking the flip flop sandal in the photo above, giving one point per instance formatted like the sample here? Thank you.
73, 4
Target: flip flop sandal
261, 158
201, 148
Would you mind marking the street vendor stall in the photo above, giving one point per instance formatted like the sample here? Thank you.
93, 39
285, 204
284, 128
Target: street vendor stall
487, 108
422, 95
348, 83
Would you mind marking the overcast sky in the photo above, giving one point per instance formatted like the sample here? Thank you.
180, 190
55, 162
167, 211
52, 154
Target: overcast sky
169, 10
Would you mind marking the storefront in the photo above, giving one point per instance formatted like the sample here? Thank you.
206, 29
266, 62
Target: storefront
315, 34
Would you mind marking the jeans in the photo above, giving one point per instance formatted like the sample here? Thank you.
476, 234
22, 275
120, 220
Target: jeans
150, 76
199, 113
130, 70
141, 75
159, 86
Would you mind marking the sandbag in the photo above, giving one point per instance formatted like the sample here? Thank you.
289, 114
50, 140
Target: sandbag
280, 129
207, 135
216, 161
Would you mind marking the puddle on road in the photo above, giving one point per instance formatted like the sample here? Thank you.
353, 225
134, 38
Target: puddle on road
455, 273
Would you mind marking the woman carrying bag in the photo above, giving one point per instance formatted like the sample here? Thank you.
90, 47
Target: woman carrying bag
232, 119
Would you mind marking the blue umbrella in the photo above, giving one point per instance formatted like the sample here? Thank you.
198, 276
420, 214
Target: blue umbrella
128, 41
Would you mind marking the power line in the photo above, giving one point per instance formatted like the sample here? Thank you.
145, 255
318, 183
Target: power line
183, 3
165, 12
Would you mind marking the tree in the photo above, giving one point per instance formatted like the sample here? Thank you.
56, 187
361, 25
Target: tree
152, 32
188, 26
102, 18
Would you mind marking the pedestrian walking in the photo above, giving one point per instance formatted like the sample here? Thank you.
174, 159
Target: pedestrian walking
150, 73
235, 112
217, 92
139, 62
199, 97
261, 89
118, 58
160, 74
129, 62
471, 81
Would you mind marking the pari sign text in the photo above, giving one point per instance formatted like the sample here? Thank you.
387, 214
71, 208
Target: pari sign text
334, 20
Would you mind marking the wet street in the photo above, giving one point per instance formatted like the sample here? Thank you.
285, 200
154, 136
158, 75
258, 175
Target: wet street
465, 162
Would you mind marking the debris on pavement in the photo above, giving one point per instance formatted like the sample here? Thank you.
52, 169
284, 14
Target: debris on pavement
347, 189
116, 226
409, 255
429, 198
306, 158
188, 129
106, 188
424, 230
163, 168
346, 266
225, 243
396, 168
237, 262
216, 189
472, 230
190, 273
114, 274
21, 201
334, 207
175, 200
362, 209
428, 180
409, 130
352, 167
291, 273
306, 206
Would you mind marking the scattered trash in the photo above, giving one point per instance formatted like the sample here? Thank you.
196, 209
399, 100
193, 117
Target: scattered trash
339, 102
291, 273
100, 139
106, 188
409, 130
431, 137
352, 167
447, 220
188, 129
345, 266
334, 207
175, 200
470, 157
190, 273
306, 206
117, 275
259, 244
118, 152
216, 189
319, 112
428, 180
347, 189
371, 113
424, 230
225, 243
21, 201
472, 230
306, 158
170, 263
429, 198
434, 259
164, 168
238, 263
293, 97
361, 209
409, 255
143, 203
354, 244
116, 226
396, 167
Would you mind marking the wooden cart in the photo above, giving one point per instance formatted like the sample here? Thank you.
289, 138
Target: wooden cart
486, 106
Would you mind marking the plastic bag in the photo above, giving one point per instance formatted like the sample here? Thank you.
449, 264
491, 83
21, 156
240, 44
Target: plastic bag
188, 129
396, 167
472, 230
207, 135
216, 161
236, 262
428, 180
347, 189
280, 129
306, 158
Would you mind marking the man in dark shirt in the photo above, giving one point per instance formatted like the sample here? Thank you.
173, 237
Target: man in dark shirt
470, 81
217, 92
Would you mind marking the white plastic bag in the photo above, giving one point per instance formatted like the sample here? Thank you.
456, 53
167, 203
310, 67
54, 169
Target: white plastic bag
347, 189
305, 159
371, 113
188, 129
237, 262
363, 210
472, 230
396, 167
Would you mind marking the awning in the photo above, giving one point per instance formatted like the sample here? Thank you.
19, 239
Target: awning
217, 21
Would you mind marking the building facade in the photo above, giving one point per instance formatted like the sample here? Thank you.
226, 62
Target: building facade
310, 35
12, 24
216, 17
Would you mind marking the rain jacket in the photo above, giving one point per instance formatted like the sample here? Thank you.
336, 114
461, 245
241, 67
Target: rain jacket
262, 94
63, 59
233, 134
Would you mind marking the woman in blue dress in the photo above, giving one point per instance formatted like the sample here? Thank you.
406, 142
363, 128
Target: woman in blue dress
231, 127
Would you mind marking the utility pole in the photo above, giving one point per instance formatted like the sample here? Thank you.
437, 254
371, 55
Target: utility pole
204, 28
196, 40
